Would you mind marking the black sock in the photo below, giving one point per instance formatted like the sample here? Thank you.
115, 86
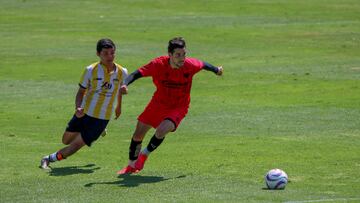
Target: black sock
154, 143
134, 149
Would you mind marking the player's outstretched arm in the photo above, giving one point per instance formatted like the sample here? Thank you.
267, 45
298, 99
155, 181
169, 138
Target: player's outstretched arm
217, 70
131, 78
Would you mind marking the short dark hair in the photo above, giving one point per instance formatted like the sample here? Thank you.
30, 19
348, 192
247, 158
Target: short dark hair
104, 44
177, 42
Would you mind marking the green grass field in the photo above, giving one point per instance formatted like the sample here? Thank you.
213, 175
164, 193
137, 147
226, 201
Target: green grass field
289, 99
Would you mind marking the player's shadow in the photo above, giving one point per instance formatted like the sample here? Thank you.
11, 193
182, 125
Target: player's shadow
71, 170
133, 180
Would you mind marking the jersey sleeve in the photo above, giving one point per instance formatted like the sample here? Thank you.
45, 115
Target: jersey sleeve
124, 75
85, 78
148, 69
196, 64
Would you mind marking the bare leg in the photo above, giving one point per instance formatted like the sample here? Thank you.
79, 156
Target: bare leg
140, 131
74, 146
68, 137
164, 128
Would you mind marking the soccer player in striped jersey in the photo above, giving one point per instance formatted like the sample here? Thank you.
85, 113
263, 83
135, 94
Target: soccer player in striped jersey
99, 88
172, 76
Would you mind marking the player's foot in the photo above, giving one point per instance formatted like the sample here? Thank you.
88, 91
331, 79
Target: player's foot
139, 164
127, 170
104, 133
45, 162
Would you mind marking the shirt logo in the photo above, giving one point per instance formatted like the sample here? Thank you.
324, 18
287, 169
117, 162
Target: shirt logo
106, 85
186, 75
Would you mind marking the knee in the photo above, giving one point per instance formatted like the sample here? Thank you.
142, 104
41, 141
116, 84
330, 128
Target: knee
164, 128
161, 133
68, 137
65, 141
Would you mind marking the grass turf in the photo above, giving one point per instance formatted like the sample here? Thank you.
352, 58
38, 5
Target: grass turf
289, 99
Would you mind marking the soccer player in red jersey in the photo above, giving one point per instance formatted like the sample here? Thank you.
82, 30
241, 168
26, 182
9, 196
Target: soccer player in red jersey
172, 76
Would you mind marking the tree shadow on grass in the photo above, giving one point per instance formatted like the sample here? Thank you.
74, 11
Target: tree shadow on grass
128, 180
71, 170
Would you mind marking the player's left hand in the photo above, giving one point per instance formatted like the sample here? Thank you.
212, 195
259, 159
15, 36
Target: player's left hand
220, 71
117, 112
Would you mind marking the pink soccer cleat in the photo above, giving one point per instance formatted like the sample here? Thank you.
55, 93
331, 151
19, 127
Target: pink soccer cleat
127, 170
139, 164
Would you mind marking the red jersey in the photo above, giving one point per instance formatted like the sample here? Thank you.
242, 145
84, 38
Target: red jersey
173, 86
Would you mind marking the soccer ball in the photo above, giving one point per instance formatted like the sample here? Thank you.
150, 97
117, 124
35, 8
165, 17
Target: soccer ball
276, 179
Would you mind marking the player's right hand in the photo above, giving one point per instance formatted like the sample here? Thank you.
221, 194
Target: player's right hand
124, 89
79, 112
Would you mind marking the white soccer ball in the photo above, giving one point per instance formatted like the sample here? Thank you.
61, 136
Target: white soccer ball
276, 179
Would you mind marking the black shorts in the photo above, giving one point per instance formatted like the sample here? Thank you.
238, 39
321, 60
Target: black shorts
90, 128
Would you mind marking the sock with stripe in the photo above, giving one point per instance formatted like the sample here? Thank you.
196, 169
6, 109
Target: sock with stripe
56, 156
134, 149
153, 144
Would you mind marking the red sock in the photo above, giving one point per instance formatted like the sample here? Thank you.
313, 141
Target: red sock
59, 156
